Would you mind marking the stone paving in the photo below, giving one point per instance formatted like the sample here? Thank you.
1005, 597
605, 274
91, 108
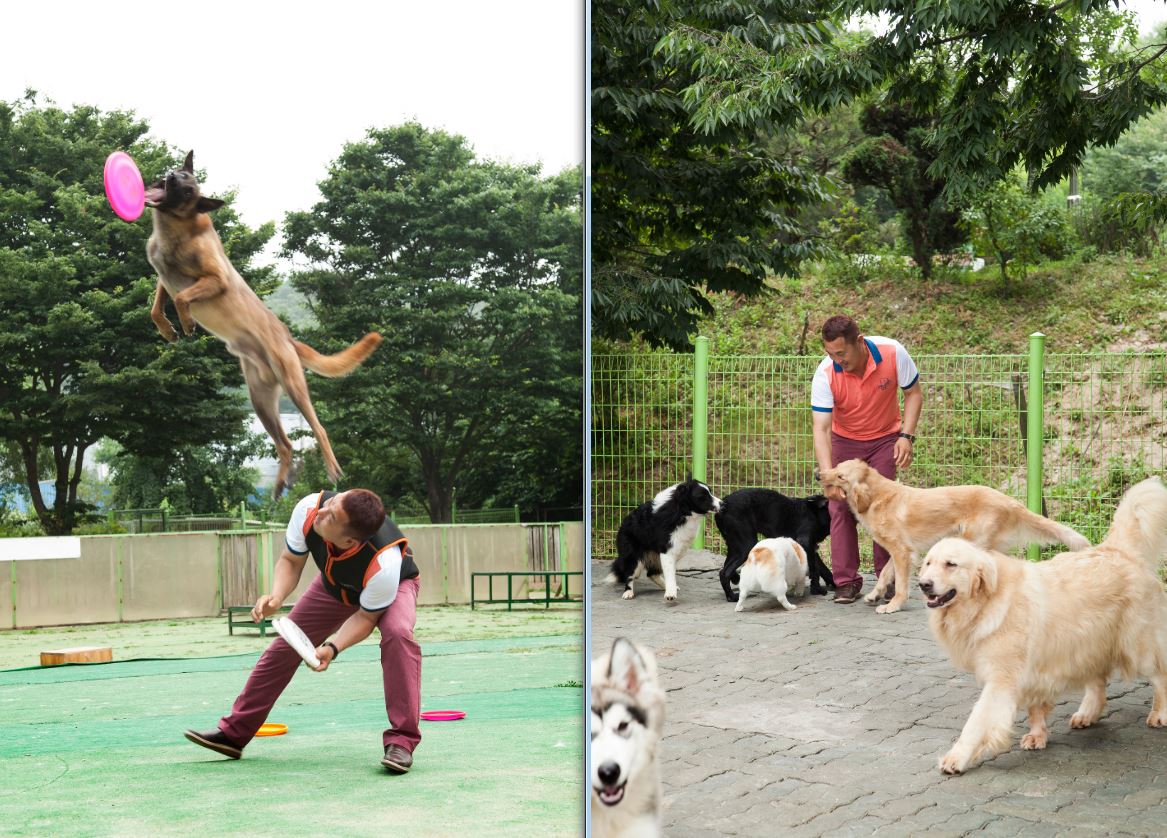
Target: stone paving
830, 720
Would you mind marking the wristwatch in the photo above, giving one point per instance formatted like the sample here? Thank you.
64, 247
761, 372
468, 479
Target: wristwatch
909, 437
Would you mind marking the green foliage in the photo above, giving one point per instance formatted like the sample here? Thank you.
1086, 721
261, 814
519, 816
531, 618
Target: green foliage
82, 359
1137, 162
192, 480
858, 252
1033, 85
1131, 221
681, 208
1015, 228
472, 272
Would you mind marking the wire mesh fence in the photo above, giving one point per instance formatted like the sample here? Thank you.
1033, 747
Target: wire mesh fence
1105, 427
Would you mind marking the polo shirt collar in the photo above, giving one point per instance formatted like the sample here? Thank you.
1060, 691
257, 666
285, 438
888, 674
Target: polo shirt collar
872, 348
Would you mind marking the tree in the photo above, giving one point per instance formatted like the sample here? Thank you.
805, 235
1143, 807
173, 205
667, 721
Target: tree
81, 358
472, 272
1016, 228
681, 88
1035, 84
896, 156
681, 208
203, 479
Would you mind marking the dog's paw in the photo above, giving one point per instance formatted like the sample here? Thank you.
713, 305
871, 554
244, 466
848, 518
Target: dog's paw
1034, 741
874, 597
952, 763
888, 608
628, 595
1081, 720
670, 596
1157, 718
740, 607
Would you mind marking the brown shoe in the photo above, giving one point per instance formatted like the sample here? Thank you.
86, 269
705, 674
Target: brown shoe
397, 759
846, 594
215, 740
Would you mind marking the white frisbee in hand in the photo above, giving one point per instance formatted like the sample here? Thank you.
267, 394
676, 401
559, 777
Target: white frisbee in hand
295, 637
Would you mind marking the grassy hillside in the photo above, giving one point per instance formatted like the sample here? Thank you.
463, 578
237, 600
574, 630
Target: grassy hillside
1113, 302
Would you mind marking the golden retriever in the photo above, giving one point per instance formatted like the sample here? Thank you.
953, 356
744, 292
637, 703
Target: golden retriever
1030, 631
907, 521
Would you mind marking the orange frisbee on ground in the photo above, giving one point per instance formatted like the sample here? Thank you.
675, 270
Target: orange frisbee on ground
272, 729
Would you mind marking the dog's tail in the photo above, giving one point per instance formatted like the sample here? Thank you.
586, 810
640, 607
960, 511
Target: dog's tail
1140, 522
1036, 529
341, 363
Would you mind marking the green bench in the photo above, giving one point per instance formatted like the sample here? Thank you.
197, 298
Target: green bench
562, 595
240, 615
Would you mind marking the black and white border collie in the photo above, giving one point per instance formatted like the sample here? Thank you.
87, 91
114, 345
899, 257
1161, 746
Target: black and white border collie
747, 512
658, 533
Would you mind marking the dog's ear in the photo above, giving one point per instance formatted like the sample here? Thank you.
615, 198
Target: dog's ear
627, 669
860, 493
208, 204
985, 578
188, 164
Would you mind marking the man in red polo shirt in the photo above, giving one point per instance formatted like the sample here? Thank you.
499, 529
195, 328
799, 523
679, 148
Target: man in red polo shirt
857, 416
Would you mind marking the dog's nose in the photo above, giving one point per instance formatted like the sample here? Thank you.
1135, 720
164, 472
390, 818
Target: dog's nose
609, 773
926, 586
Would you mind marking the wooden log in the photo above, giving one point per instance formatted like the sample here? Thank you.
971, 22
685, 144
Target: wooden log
77, 654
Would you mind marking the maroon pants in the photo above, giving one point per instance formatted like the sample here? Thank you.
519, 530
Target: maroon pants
878, 453
320, 614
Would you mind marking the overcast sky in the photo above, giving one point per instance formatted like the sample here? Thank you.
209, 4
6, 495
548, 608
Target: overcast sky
268, 93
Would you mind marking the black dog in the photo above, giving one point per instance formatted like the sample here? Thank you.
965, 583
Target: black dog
747, 512
659, 532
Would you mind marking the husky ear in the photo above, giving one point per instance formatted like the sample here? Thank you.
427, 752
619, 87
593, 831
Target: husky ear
627, 669
188, 164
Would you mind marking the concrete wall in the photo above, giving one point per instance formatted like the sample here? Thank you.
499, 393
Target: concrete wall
163, 575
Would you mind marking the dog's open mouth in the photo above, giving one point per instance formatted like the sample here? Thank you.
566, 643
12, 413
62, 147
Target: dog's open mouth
941, 599
611, 795
155, 195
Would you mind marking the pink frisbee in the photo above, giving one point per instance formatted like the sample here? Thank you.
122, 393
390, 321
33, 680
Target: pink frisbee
124, 187
443, 715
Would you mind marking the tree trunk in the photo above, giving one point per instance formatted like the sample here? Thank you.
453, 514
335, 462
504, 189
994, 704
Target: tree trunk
439, 496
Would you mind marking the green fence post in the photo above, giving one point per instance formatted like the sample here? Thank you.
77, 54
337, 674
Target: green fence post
1033, 431
700, 418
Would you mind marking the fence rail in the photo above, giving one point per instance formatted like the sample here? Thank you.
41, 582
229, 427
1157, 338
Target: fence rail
1103, 428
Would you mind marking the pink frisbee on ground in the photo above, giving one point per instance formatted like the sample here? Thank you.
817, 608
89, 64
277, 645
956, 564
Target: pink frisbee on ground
124, 187
443, 715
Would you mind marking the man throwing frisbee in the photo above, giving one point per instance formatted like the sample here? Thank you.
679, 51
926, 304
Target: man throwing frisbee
367, 580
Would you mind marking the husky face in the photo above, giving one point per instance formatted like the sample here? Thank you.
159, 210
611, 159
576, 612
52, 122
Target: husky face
627, 721
621, 748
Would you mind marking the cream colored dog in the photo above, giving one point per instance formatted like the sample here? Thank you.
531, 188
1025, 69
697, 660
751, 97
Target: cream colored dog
774, 566
907, 521
1031, 631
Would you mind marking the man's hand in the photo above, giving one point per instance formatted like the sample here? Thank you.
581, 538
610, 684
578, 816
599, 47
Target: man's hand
324, 653
835, 493
903, 452
265, 606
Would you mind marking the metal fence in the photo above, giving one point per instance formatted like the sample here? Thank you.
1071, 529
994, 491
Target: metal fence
1103, 427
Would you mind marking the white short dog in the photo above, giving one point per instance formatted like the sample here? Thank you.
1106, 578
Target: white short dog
774, 566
